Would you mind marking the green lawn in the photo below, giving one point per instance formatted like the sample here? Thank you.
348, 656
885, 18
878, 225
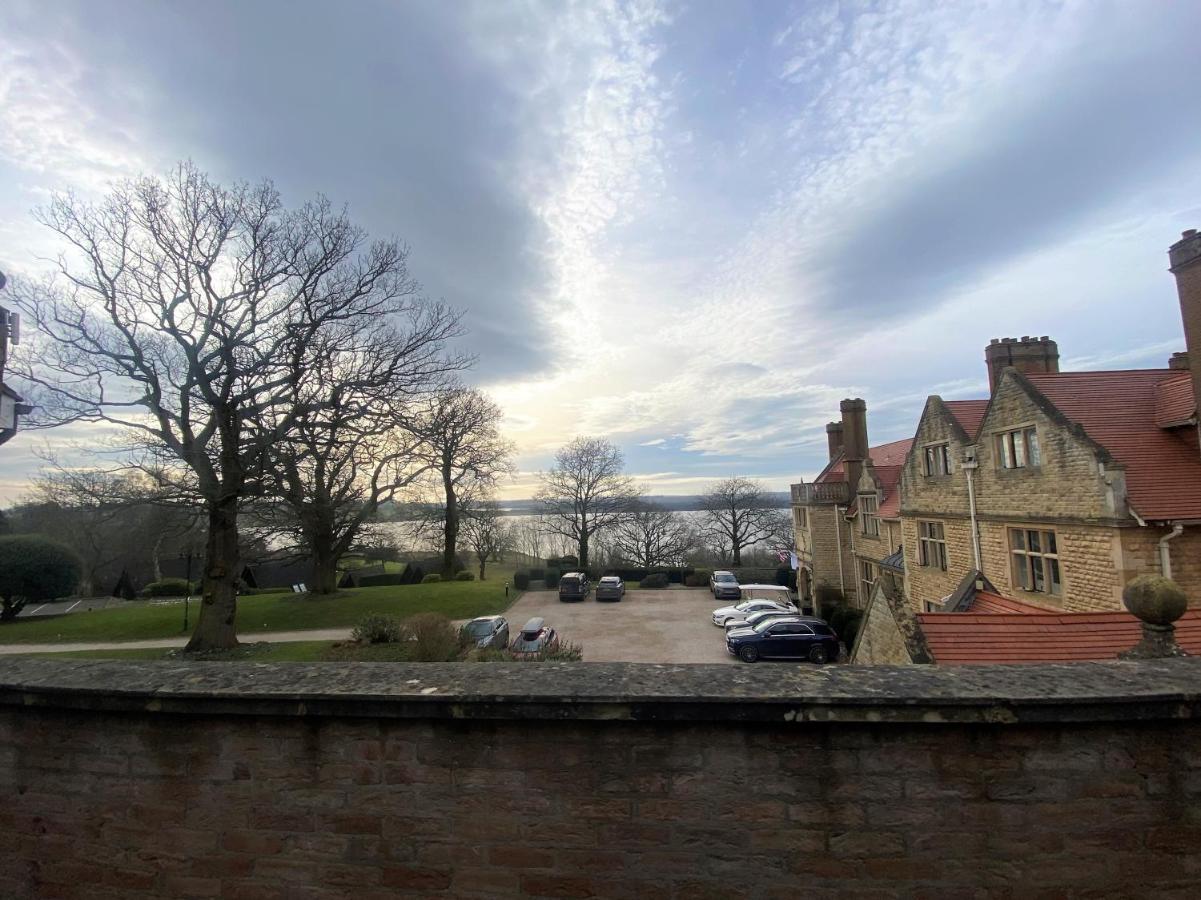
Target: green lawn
271, 612
292, 651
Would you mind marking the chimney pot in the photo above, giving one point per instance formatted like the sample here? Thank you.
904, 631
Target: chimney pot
854, 432
1184, 261
1030, 355
1188, 233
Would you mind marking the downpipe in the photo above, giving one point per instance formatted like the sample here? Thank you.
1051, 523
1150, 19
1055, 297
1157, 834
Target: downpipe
1165, 552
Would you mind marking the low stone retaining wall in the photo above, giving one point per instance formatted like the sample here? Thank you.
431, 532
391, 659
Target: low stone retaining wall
376, 780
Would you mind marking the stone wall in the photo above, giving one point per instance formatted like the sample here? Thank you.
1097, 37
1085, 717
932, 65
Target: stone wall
830, 538
126, 780
930, 584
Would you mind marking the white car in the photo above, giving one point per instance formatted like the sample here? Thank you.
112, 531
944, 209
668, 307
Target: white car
747, 607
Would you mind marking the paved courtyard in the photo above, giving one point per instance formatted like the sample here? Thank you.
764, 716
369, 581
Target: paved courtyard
667, 626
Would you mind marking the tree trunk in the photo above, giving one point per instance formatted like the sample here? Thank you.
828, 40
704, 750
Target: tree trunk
583, 550
219, 595
451, 527
737, 553
154, 556
325, 565
483, 561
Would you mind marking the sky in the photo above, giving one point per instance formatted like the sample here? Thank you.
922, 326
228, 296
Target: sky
689, 227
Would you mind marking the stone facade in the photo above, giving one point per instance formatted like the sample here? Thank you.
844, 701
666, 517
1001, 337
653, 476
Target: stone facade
1077, 492
143, 780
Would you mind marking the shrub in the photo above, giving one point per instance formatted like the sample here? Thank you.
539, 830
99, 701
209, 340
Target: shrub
434, 638
170, 587
521, 579
828, 596
377, 629
431, 578
35, 568
845, 620
654, 580
383, 579
551, 577
537, 574
559, 651
465, 576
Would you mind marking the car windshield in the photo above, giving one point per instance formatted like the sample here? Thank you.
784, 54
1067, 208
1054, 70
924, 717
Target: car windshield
608, 580
747, 604
479, 629
528, 637
569, 582
765, 624
725, 579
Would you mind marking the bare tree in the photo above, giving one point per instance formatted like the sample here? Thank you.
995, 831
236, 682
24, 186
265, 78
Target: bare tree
359, 449
468, 453
194, 314
651, 535
585, 492
485, 532
737, 515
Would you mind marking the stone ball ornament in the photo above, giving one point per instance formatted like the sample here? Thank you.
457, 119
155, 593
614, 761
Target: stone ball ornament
1155, 599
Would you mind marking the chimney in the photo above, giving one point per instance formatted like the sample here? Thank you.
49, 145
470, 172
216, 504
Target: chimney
854, 433
1179, 361
834, 438
1184, 257
1029, 355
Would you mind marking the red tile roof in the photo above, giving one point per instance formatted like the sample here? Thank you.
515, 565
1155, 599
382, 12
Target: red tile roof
1118, 411
988, 602
892, 454
890, 478
968, 413
1039, 636
1174, 404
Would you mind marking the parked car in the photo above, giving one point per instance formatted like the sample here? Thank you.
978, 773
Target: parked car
777, 592
741, 610
574, 586
610, 588
752, 619
724, 586
810, 639
534, 637
487, 632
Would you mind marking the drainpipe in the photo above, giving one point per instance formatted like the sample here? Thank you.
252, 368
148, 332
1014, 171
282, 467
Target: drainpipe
842, 582
969, 466
1165, 553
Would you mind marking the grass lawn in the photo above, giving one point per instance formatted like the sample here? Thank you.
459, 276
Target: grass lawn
271, 612
293, 651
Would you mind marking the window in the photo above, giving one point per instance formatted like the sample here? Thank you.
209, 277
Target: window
867, 575
1035, 560
1018, 449
937, 459
800, 517
931, 545
870, 515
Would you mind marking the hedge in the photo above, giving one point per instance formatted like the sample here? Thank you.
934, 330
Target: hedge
465, 576
521, 580
35, 568
169, 587
431, 578
654, 580
551, 577
386, 578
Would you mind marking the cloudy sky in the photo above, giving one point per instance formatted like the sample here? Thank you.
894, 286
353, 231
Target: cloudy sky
691, 227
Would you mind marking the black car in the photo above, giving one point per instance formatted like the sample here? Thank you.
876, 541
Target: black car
574, 586
797, 638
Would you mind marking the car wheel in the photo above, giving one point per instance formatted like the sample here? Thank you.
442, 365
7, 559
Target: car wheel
748, 654
726, 621
819, 655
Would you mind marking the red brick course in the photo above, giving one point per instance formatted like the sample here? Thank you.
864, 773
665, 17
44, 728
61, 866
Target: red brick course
151, 805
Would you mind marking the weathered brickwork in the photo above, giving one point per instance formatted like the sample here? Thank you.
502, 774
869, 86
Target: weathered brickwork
1140, 554
142, 805
880, 642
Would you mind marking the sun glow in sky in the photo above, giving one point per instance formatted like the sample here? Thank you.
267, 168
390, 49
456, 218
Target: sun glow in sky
689, 227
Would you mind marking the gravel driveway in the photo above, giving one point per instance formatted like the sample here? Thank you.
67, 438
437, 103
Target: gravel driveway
666, 626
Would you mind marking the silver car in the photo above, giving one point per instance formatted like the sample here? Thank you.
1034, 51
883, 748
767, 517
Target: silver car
610, 588
752, 619
746, 607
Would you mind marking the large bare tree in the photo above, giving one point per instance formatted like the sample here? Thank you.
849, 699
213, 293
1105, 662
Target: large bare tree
738, 515
585, 492
485, 532
362, 447
651, 536
468, 454
195, 314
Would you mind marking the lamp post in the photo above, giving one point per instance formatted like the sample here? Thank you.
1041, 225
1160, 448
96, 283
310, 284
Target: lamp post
187, 595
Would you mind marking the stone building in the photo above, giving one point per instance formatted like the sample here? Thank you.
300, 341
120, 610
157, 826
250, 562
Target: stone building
845, 536
1063, 485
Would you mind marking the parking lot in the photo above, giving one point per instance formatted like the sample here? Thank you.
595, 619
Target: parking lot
663, 626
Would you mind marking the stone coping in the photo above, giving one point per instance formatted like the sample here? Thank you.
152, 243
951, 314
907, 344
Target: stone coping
1078, 692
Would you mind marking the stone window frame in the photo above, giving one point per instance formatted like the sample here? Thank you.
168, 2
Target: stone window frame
1049, 561
800, 517
930, 457
932, 550
868, 573
1022, 442
869, 519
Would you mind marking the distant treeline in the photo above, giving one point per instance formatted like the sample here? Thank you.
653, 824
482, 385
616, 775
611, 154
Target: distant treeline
404, 512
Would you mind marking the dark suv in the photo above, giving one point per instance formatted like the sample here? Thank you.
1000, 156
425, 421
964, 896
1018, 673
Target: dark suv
797, 638
574, 586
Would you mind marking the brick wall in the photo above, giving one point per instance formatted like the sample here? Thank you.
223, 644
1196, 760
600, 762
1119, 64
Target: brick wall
284, 798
